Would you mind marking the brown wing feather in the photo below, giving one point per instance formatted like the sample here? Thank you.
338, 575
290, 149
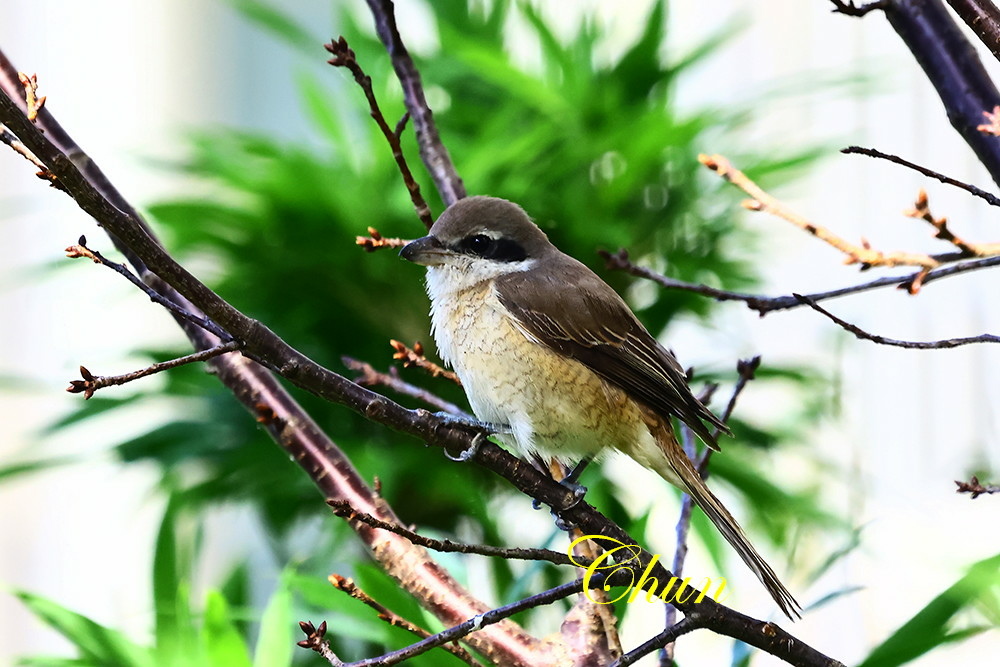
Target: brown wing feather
571, 310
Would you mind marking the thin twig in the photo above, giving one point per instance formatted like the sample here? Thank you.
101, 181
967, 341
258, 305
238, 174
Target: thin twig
668, 636
91, 383
856, 254
392, 618
81, 250
912, 345
316, 641
415, 357
473, 624
375, 240
32, 100
343, 56
7, 137
976, 488
848, 8
342, 508
990, 198
370, 377
766, 304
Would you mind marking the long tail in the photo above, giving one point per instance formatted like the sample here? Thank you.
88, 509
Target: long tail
681, 469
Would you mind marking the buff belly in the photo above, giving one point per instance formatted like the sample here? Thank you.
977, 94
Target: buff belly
553, 405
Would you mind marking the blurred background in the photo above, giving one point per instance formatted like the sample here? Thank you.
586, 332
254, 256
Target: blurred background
257, 165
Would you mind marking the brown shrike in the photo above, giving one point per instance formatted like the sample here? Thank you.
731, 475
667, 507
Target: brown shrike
551, 354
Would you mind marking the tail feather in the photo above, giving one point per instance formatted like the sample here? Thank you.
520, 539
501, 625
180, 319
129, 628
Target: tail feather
680, 466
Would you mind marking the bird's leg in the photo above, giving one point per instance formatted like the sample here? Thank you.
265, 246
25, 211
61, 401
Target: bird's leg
571, 481
483, 430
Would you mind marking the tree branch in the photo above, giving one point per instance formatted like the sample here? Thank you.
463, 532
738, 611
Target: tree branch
432, 150
392, 618
992, 199
951, 64
343, 56
911, 345
984, 19
767, 304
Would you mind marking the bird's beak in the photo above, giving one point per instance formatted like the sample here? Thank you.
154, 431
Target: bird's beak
426, 251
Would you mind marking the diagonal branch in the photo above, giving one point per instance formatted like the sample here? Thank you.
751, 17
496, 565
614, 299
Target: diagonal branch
271, 405
989, 197
911, 345
432, 150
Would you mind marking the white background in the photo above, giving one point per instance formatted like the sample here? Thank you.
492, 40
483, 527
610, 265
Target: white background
125, 79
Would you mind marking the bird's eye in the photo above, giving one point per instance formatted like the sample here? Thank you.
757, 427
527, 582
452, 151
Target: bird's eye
500, 250
478, 244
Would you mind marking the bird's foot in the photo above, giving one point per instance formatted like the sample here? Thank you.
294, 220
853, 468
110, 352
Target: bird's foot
482, 429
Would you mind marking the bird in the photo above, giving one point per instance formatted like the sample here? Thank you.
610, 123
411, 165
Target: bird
550, 352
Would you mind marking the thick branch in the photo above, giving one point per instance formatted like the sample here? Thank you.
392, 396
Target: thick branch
951, 64
984, 19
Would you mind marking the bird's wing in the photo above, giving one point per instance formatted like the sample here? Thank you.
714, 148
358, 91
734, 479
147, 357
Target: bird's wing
571, 310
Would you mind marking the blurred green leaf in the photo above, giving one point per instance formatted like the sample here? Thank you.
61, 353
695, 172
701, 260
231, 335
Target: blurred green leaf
222, 642
929, 628
98, 644
276, 640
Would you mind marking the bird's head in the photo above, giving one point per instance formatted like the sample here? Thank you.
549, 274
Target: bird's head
482, 237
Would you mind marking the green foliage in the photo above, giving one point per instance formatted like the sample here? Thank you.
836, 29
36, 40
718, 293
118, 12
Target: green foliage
936, 624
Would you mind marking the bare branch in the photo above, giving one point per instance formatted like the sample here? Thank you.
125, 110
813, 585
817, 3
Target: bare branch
766, 304
370, 377
316, 641
415, 357
392, 618
975, 487
984, 19
92, 383
912, 345
988, 197
375, 240
343, 56
81, 250
432, 150
665, 638
856, 254
848, 8
343, 509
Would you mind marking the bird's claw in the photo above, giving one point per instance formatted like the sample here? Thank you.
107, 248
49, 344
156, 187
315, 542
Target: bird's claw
473, 449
